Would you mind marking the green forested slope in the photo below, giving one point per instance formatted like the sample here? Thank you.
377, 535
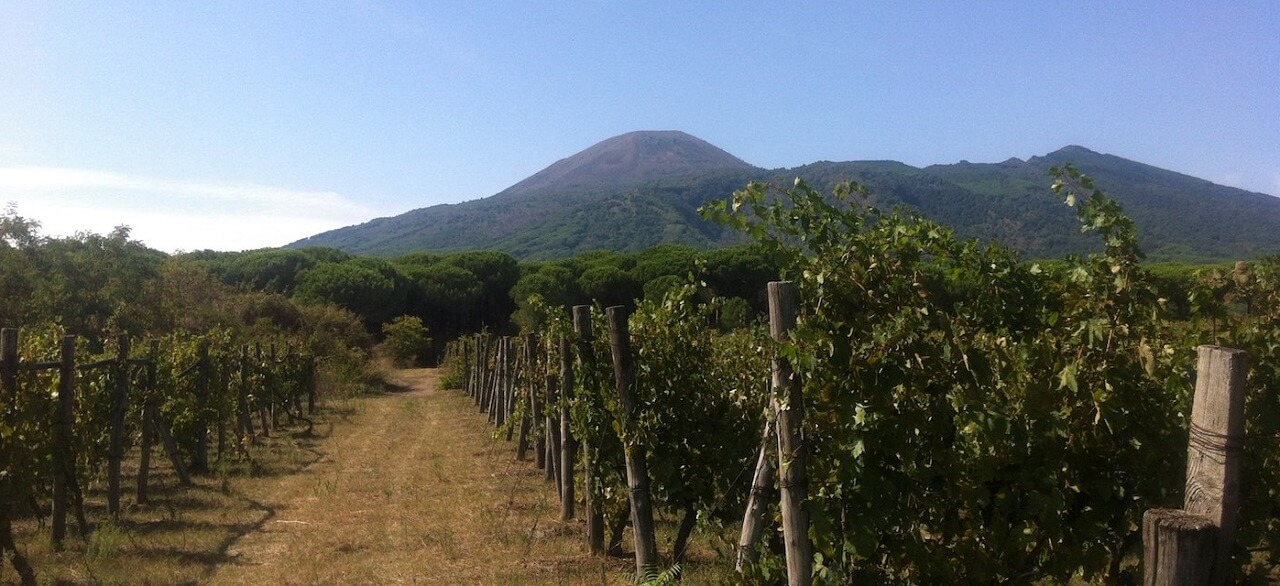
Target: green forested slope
660, 179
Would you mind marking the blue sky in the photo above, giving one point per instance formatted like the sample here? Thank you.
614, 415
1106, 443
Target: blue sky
233, 125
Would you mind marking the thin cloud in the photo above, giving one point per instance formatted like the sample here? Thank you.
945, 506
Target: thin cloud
174, 215
30, 179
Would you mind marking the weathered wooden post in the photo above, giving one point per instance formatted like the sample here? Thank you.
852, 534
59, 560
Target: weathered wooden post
788, 407
537, 395
272, 391
553, 432
595, 514
119, 406
757, 501
1178, 548
261, 391
170, 447
148, 414
478, 365
1173, 543
63, 461
568, 447
526, 359
246, 419
311, 383
467, 361
486, 390
9, 368
635, 453
224, 384
9, 395
498, 409
202, 373
509, 386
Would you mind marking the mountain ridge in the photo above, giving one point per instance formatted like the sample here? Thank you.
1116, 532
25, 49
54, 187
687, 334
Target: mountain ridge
643, 188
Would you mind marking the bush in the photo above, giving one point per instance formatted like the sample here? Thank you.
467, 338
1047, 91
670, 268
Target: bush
406, 340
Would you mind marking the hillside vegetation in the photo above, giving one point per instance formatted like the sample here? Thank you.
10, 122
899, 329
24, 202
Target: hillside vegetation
642, 189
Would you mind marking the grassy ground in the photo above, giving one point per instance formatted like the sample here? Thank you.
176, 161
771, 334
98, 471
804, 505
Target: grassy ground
406, 487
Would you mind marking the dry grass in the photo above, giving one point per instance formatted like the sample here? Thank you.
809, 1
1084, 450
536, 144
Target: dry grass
407, 487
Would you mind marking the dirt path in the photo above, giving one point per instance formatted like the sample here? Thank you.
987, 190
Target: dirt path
413, 490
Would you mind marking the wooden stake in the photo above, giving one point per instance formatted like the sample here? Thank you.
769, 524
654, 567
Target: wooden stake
1216, 448
553, 433
636, 456
63, 460
568, 447
9, 396
119, 406
148, 413
753, 521
536, 396
246, 418
788, 406
202, 373
171, 447
526, 360
595, 514
1178, 548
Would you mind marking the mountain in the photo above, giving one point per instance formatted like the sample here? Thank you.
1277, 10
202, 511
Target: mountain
631, 158
640, 189
626, 193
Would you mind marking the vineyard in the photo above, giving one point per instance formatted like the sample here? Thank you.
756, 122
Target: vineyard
917, 408
70, 414
922, 410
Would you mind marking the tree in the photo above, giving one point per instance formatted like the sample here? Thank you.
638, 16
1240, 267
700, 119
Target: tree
608, 285
369, 287
497, 273
273, 270
406, 340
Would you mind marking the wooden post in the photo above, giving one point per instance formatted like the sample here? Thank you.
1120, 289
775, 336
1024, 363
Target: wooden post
224, 384
119, 406
509, 387
246, 417
635, 453
536, 398
490, 377
171, 447
464, 361
144, 453
261, 392
526, 360
591, 482
788, 407
1179, 548
271, 387
477, 368
148, 414
495, 383
201, 463
311, 383
473, 366
9, 369
63, 461
486, 380
568, 447
1216, 446
9, 396
757, 502
553, 433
